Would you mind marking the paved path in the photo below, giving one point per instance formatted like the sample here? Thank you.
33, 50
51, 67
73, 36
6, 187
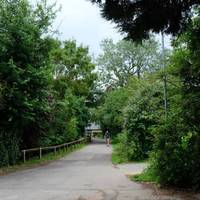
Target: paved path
132, 168
83, 175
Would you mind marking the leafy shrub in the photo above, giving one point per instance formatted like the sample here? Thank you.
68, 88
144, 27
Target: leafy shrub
127, 150
9, 149
24, 78
176, 159
72, 129
121, 148
142, 113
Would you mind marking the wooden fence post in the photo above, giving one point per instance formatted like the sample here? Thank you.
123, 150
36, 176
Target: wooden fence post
24, 155
67, 147
40, 152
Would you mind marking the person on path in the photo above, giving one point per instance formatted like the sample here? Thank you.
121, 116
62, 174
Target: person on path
107, 136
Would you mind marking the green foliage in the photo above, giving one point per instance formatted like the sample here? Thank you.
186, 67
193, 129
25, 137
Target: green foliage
138, 18
70, 89
120, 61
44, 85
176, 153
72, 86
110, 113
148, 175
120, 152
189, 72
24, 57
126, 150
141, 113
9, 148
72, 131
177, 149
73, 63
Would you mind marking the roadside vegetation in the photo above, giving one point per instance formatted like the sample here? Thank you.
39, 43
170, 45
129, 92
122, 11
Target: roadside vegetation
50, 89
46, 86
132, 106
146, 176
35, 161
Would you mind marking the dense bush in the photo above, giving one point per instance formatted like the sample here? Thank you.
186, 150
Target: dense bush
9, 148
177, 149
176, 157
142, 112
24, 59
127, 149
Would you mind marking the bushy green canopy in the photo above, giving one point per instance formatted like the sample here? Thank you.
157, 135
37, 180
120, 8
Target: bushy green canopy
138, 17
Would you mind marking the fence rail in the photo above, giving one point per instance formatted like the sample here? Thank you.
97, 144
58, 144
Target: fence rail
55, 148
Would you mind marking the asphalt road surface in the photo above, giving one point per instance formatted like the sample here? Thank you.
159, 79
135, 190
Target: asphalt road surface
87, 174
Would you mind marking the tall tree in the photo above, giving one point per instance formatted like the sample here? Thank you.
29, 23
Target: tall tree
122, 60
74, 63
24, 58
72, 88
177, 148
187, 66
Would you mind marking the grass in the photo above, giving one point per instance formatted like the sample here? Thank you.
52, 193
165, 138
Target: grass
147, 175
119, 159
116, 158
35, 162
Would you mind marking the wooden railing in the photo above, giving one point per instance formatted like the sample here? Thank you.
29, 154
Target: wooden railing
54, 148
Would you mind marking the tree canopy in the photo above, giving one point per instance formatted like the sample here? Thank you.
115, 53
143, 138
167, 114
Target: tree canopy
44, 83
125, 59
138, 17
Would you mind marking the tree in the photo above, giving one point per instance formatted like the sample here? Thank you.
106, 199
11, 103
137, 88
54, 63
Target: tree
187, 67
122, 60
109, 113
141, 112
177, 148
137, 18
71, 89
24, 60
74, 63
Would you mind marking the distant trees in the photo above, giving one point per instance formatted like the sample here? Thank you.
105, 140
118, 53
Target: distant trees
110, 111
121, 61
132, 97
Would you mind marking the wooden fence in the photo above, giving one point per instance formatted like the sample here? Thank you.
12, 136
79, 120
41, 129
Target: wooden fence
54, 148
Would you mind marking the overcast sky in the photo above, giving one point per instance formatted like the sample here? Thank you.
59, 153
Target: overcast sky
81, 20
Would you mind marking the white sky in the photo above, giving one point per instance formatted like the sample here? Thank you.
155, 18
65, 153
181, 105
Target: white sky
81, 20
